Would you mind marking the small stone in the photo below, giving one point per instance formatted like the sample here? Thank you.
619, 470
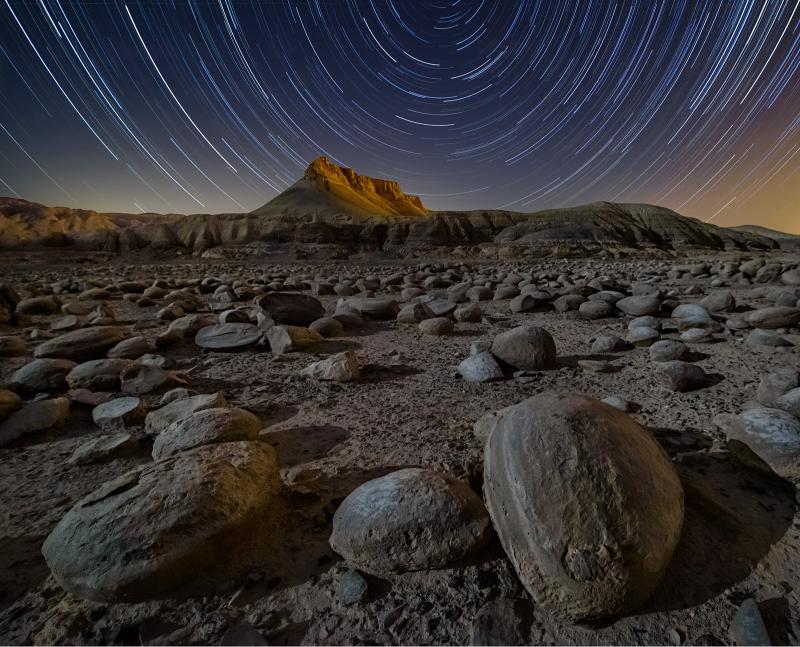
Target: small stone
438, 326
327, 327
748, 626
770, 338
82, 345
206, 427
645, 304
285, 339
119, 414
667, 350
41, 376
526, 347
498, 622
351, 588
595, 365
682, 376
159, 419
9, 403
480, 367
342, 367
608, 344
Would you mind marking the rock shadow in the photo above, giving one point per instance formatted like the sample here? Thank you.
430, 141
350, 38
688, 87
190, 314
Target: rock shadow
298, 445
733, 517
22, 567
374, 373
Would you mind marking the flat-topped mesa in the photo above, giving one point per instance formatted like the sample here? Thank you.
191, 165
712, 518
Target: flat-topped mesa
386, 192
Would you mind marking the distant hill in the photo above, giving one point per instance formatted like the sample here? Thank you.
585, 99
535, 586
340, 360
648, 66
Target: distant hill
786, 241
335, 205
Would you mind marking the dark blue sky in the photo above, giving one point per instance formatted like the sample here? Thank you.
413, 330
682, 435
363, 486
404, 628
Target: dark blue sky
217, 106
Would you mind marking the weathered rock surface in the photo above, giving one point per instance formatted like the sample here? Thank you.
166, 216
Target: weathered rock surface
159, 419
409, 520
42, 376
154, 527
342, 367
588, 538
83, 344
119, 414
526, 347
206, 427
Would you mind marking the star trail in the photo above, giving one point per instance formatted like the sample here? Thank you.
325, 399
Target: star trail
217, 106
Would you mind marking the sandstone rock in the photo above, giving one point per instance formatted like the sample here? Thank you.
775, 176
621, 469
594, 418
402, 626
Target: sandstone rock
32, 417
327, 327
82, 345
98, 374
767, 440
409, 520
414, 313
38, 305
719, 301
668, 350
524, 303
682, 376
692, 315
437, 326
526, 347
342, 367
228, 336
9, 403
159, 419
290, 308
104, 448
374, 307
645, 304
206, 427
759, 337
151, 529
642, 336
774, 317
776, 384
608, 344
141, 378
588, 538
470, 313
480, 367
119, 414
697, 335
284, 339
42, 376
596, 310
132, 348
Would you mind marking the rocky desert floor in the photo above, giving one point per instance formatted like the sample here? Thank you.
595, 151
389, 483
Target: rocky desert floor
409, 407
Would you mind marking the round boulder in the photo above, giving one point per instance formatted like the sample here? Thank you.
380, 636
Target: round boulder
410, 520
154, 527
527, 348
586, 503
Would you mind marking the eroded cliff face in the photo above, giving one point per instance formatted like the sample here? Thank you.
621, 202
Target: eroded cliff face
386, 196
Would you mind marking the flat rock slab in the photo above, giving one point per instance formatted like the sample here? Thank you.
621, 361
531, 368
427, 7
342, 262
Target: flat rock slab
158, 420
84, 344
151, 529
206, 427
228, 336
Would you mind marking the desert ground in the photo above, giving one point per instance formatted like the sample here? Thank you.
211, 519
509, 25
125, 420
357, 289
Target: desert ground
396, 399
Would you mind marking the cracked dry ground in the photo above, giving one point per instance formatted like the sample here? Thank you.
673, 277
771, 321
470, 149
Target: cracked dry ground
740, 537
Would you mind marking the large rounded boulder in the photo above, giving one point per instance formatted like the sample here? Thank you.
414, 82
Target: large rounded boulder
587, 505
526, 347
410, 520
83, 344
150, 529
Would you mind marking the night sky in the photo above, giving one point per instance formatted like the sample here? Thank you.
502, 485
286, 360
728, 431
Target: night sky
218, 106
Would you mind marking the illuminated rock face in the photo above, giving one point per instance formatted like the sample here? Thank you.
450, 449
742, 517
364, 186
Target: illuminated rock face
386, 195
153, 528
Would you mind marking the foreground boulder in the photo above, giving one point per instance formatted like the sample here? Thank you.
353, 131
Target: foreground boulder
526, 347
410, 520
587, 505
206, 427
154, 527
82, 345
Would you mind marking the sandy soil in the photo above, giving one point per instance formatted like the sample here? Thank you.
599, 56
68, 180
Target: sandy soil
741, 537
